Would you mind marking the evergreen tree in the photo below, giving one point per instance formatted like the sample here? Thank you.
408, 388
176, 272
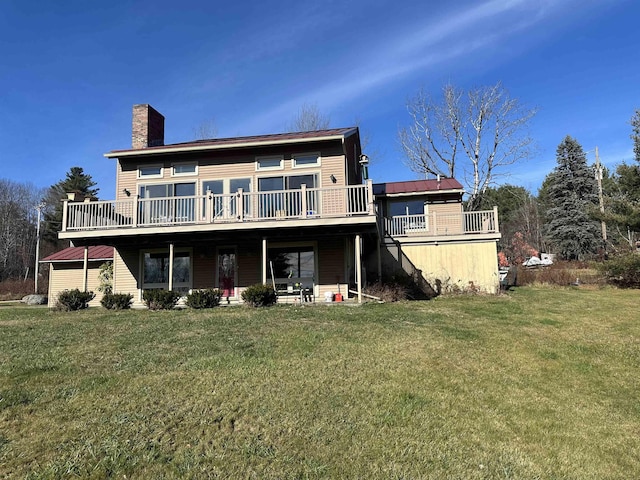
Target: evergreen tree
571, 190
622, 193
518, 216
635, 134
76, 181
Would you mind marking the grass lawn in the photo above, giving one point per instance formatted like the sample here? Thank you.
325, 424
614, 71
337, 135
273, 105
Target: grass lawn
540, 383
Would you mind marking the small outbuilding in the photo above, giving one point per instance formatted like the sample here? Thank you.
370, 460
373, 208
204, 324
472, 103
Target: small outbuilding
77, 267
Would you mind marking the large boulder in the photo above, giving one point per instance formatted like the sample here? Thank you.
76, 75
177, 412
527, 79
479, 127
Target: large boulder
34, 299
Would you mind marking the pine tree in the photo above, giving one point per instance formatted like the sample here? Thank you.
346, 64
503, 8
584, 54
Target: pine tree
571, 189
635, 133
76, 181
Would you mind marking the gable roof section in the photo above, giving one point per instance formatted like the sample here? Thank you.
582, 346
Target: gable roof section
241, 142
418, 186
76, 254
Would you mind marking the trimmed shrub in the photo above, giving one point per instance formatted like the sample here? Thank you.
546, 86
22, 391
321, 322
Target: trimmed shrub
208, 298
70, 300
623, 270
160, 299
116, 301
259, 295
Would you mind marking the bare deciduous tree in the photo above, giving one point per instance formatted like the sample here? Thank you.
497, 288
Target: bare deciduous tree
17, 228
309, 118
206, 130
477, 132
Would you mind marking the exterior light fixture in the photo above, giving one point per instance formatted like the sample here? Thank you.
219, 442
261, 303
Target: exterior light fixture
364, 163
126, 192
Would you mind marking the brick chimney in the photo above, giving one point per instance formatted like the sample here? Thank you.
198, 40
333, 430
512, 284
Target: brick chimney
148, 127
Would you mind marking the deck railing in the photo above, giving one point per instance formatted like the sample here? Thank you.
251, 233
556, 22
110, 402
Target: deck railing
438, 224
239, 206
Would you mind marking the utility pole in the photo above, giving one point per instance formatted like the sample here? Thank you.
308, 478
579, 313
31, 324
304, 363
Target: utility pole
39, 208
601, 200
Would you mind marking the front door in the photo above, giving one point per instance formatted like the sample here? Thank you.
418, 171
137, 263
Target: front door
227, 272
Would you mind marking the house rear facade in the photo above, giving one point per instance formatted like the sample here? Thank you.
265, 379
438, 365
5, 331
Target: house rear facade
293, 210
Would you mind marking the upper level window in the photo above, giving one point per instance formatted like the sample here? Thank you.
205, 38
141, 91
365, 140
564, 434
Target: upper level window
305, 160
406, 207
184, 169
150, 171
269, 163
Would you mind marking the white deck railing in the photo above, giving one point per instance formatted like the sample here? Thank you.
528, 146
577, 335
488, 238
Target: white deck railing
239, 206
438, 224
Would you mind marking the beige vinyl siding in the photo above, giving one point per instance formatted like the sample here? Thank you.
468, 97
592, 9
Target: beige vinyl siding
126, 179
68, 276
249, 262
445, 208
228, 166
447, 217
331, 267
461, 265
126, 268
204, 268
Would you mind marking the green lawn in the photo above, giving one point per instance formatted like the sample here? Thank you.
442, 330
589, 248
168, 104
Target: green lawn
540, 383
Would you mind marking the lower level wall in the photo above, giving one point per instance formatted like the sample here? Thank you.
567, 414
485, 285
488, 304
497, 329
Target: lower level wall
448, 266
68, 276
331, 266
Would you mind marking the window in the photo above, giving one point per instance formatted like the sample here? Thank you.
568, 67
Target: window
163, 190
292, 266
185, 169
224, 199
286, 204
150, 171
412, 213
167, 203
406, 207
155, 270
306, 160
269, 163
291, 182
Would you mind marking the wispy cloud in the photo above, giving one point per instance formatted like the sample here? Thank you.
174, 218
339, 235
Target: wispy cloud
416, 48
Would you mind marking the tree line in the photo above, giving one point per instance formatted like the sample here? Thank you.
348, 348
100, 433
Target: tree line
19, 205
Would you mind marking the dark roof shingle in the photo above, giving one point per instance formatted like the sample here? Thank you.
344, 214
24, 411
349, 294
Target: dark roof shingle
250, 140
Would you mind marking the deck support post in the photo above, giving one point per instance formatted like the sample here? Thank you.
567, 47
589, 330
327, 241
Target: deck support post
359, 267
379, 254
85, 269
171, 245
264, 260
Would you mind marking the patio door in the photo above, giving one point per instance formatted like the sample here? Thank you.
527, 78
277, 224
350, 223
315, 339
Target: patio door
225, 202
227, 272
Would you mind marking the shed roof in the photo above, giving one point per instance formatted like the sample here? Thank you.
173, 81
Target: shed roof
76, 254
417, 186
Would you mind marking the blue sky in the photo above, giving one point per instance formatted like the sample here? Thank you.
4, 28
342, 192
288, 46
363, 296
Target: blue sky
71, 70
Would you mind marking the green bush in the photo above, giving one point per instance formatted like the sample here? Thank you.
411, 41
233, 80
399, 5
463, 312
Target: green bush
160, 299
208, 298
259, 295
116, 301
70, 300
623, 270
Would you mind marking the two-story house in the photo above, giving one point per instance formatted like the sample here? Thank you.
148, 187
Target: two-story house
294, 210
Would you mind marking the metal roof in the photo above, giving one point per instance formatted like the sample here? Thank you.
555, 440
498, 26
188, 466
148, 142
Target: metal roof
76, 254
241, 142
417, 186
